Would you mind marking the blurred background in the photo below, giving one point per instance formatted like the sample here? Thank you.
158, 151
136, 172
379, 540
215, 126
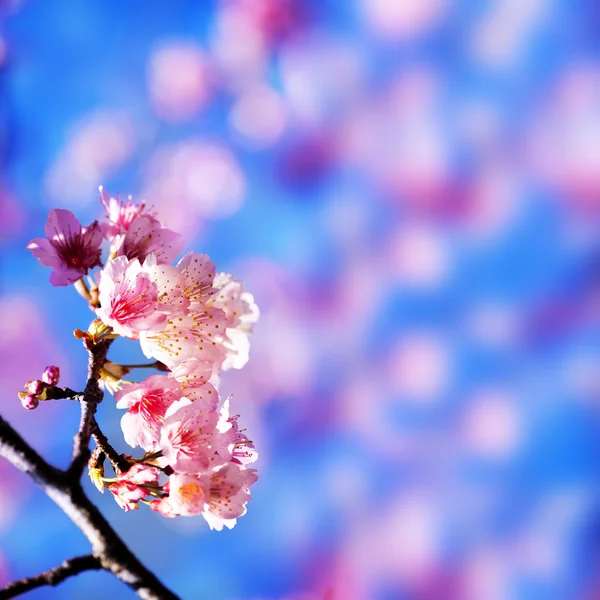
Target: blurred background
411, 190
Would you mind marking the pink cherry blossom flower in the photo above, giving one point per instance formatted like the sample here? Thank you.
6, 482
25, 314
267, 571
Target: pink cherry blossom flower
120, 214
146, 404
70, 249
220, 496
228, 491
187, 336
192, 372
129, 298
187, 436
241, 312
241, 450
132, 486
198, 272
146, 235
187, 496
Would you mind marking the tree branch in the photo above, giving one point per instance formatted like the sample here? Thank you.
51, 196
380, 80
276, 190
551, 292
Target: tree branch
67, 493
70, 567
64, 488
92, 396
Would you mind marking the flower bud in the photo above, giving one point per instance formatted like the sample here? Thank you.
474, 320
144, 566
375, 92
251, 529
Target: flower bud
29, 402
51, 375
35, 387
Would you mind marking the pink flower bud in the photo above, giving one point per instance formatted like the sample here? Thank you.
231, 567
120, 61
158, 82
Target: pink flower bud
29, 402
35, 387
51, 375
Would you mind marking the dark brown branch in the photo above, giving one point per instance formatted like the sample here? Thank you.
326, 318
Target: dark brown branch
53, 577
62, 393
92, 396
64, 487
67, 493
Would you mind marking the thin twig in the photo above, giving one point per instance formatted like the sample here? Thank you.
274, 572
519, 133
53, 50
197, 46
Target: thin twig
70, 567
118, 462
62, 393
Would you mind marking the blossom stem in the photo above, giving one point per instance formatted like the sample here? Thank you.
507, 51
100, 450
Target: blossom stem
82, 289
118, 462
153, 365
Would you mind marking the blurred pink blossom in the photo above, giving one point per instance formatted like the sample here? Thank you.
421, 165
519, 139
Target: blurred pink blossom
259, 115
321, 76
98, 145
404, 21
179, 80
562, 144
420, 366
492, 424
200, 179
500, 36
420, 255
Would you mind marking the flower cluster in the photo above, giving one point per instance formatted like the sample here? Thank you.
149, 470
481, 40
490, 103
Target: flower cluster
194, 323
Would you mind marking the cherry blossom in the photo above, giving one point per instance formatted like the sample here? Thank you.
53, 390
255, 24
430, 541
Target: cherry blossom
187, 497
129, 298
192, 372
241, 312
242, 450
187, 435
145, 236
70, 249
228, 491
198, 272
185, 337
146, 404
132, 486
195, 324
220, 496
120, 215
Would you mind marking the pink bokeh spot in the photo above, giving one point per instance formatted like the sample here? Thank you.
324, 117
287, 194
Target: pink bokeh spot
179, 80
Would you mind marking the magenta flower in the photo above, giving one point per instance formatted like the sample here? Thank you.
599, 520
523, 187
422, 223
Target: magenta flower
129, 298
147, 403
187, 436
70, 249
133, 485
